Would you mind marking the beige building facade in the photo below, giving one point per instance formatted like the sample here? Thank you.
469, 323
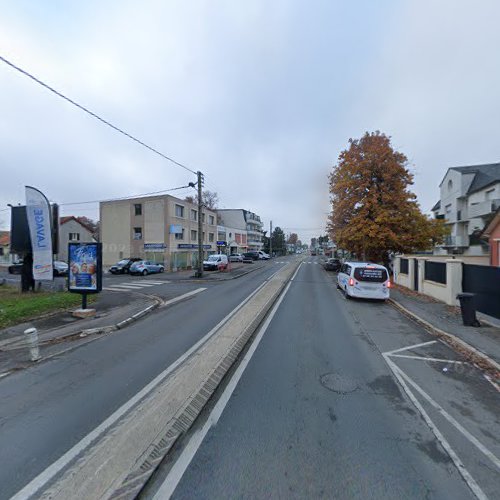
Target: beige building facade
158, 228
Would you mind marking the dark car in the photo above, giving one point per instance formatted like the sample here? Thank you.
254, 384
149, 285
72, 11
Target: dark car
123, 266
16, 267
332, 265
251, 256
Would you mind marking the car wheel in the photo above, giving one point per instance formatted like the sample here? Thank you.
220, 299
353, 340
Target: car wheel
161, 269
145, 272
338, 286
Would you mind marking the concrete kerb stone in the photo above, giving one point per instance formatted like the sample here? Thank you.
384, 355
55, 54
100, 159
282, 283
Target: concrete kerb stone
142, 437
452, 340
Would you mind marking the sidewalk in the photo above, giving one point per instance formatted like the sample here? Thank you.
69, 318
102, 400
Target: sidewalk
485, 339
57, 330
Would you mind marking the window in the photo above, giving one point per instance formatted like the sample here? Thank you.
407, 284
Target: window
138, 209
203, 235
211, 237
74, 236
203, 218
137, 233
448, 209
450, 185
489, 194
194, 235
179, 211
211, 220
179, 236
370, 274
194, 215
1, 251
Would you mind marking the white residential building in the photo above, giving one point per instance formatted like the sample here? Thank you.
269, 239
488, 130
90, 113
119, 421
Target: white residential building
243, 220
469, 197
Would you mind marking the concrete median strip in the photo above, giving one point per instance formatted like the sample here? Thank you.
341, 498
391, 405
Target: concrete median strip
117, 460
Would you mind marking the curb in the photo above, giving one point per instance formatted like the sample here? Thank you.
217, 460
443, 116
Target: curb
215, 280
450, 338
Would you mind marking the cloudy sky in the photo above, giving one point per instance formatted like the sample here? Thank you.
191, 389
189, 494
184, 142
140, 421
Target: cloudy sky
261, 96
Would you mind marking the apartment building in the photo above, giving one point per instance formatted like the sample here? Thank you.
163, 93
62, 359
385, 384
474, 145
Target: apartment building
158, 228
243, 220
234, 239
469, 196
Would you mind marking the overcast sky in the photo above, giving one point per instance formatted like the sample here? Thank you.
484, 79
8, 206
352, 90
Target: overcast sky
261, 96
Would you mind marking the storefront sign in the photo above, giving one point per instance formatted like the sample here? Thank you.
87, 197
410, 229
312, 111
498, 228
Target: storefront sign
188, 246
154, 247
85, 271
222, 243
175, 229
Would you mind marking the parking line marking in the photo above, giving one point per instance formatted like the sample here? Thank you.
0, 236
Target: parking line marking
450, 419
444, 443
389, 353
406, 356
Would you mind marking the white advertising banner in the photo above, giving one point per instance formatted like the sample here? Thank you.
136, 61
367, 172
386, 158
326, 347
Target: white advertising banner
39, 221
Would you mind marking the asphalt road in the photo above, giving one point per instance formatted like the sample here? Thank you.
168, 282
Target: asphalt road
48, 408
319, 412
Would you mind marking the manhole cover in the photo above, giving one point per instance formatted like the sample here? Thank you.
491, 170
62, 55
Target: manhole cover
340, 384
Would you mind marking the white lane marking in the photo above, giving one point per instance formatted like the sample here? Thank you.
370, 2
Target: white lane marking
45, 476
175, 475
296, 271
410, 347
181, 297
138, 285
128, 287
492, 382
444, 443
406, 356
113, 289
450, 419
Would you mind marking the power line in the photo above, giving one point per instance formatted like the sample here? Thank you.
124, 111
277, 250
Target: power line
125, 197
91, 113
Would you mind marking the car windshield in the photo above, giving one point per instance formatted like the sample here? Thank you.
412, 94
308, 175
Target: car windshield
213, 258
122, 262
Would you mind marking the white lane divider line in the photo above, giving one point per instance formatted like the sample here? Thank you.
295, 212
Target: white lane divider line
456, 460
406, 356
390, 353
179, 468
296, 272
48, 474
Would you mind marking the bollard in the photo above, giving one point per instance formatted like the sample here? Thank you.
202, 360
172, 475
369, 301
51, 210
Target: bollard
32, 341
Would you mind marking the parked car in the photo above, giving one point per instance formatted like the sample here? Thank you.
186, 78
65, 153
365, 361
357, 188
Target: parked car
236, 257
146, 267
60, 268
123, 266
332, 265
263, 255
214, 262
16, 267
251, 255
364, 280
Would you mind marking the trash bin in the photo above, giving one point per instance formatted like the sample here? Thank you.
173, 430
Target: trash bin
468, 309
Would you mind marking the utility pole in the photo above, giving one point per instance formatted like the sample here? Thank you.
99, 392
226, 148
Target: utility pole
200, 225
271, 239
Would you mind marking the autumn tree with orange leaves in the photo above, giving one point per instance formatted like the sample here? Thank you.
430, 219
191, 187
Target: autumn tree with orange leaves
373, 211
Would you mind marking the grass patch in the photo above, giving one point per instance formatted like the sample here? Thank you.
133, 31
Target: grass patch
17, 307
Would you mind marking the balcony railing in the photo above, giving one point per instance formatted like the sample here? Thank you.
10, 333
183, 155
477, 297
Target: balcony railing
483, 208
456, 241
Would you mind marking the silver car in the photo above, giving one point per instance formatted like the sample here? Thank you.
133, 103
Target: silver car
146, 267
236, 257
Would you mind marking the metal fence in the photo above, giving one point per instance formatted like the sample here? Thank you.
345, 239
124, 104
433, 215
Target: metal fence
484, 281
403, 266
435, 271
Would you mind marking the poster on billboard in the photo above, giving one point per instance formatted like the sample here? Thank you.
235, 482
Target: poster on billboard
85, 267
40, 230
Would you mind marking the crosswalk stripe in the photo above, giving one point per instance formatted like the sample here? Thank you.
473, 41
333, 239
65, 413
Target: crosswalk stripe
140, 285
130, 287
111, 289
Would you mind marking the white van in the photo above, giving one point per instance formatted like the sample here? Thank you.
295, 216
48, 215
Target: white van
364, 280
214, 262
